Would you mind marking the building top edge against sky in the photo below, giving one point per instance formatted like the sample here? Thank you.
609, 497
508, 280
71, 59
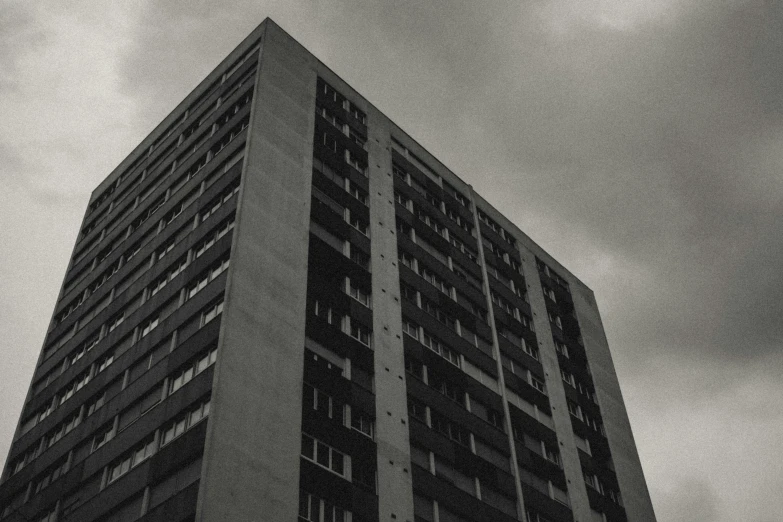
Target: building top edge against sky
138, 153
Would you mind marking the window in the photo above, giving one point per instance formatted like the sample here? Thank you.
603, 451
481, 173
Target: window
50, 516
363, 423
358, 294
549, 293
104, 362
567, 378
407, 292
591, 479
439, 347
360, 225
323, 311
562, 349
51, 475
318, 400
410, 328
555, 320
77, 384
575, 410
96, 403
403, 200
311, 509
407, 260
213, 311
63, 429
104, 435
213, 236
357, 192
132, 459
210, 275
361, 333
324, 455
354, 111
450, 429
417, 410
360, 258
218, 202
414, 367
435, 280
148, 326
182, 377
537, 383
185, 421
117, 321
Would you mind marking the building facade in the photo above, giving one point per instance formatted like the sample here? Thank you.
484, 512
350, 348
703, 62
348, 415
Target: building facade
281, 305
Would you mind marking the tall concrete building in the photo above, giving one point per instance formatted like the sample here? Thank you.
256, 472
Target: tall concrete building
281, 305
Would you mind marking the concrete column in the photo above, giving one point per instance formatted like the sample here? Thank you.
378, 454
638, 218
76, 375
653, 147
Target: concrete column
633, 487
395, 483
251, 458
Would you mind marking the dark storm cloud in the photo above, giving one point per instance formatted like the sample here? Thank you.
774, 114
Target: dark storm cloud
660, 142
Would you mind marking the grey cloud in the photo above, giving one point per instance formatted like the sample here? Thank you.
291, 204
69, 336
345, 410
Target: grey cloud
690, 500
659, 143
19, 36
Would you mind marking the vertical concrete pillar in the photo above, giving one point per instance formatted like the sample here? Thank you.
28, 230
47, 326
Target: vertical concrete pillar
251, 459
395, 483
628, 467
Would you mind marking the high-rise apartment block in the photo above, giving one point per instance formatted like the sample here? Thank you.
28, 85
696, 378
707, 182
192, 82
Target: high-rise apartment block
280, 305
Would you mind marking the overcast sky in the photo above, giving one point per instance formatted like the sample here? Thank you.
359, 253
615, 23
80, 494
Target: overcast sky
639, 142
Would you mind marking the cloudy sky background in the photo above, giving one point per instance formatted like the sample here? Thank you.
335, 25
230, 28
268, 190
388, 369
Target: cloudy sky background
638, 142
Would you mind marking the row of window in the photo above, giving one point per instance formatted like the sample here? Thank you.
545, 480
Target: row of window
470, 484
355, 220
577, 412
67, 425
434, 279
159, 202
430, 341
338, 123
105, 434
344, 182
175, 269
131, 252
502, 254
316, 509
190, 130
358, 331
518, 341
544, 269
144, 328
349, 156
328, 92
489, 222
592, 481
445, 209
150, 445
326, 456
524, 373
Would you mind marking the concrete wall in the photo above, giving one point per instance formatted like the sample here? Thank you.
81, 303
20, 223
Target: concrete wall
251, 463
395, 482
628, 467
